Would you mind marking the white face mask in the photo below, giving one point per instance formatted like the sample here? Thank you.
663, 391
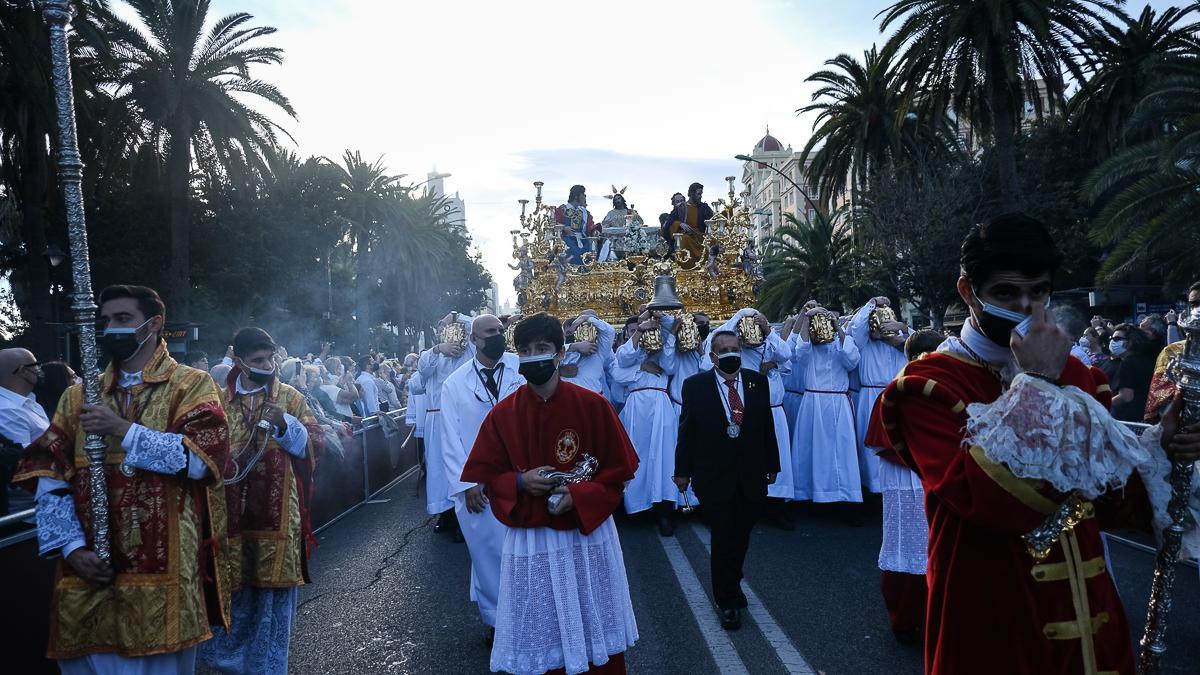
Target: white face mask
1116, 347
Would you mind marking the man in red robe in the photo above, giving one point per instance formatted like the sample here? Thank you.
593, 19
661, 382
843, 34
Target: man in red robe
1003, 443
554, 459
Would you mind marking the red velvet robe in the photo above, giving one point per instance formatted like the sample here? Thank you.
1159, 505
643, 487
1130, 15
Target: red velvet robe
992, 608
524, 432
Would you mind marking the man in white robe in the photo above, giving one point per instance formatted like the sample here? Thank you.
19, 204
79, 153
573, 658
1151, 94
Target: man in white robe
586, 363
651, 422
468, 395
881, 358
435, 365
824, 451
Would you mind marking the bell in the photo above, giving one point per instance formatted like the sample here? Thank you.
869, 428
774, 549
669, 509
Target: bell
664, 294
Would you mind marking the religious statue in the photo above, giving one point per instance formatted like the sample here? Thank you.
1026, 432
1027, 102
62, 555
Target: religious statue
615, 225
577, 224
690, 220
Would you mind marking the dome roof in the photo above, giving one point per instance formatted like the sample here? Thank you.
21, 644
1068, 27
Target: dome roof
768, 143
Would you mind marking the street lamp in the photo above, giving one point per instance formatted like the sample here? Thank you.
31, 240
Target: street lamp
54, 255
747, 158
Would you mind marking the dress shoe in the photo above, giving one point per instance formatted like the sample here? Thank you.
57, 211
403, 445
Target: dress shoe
782, 522
731, 619
665, 528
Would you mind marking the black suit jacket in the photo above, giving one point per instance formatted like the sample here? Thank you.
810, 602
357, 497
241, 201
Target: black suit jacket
723, 468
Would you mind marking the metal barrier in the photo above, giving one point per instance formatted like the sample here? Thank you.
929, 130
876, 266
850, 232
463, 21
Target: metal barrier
371, 463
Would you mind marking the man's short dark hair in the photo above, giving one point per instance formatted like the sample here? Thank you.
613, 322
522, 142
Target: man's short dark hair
148, 301
1194, 287
632, 319
693, 187
195, 356
540, 327
251, 339
921, 342
1012, 241
703, 314
365, 364
576, 191
718, 335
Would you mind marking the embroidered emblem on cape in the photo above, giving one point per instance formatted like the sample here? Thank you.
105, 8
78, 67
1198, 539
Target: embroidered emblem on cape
567, 446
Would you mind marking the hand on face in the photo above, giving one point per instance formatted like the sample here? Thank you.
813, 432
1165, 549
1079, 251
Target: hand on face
1046, 346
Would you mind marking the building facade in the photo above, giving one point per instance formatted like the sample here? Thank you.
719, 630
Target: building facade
770, 195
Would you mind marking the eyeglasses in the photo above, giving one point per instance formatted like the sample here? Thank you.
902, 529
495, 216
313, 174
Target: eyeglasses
36, 365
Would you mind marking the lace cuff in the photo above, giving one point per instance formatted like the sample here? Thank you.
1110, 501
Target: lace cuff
156, 451
57, 525
1057, 434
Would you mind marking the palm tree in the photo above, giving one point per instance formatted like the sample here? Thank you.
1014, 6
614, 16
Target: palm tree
27, 115
1150, 193
186, 84
1124, 60
857, 125
806, 259
982, 58
367, 199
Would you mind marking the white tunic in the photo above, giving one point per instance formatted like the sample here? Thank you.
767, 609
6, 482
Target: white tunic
793, 384
824, 451
434, 369
414, 414
466, 401
878, 364
593, 373
651, 422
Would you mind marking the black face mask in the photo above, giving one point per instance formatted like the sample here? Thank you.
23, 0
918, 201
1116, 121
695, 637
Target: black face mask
702, 330
260, 376
493, 346
538, 372
119, 346
997, 328
729, 363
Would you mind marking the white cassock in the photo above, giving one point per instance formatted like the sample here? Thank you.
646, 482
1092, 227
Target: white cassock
878, 364
434, 369
793, 389
593, 368
774, 350
414, 414
824, 450
617, 392
466, 401
687, 364
650, 422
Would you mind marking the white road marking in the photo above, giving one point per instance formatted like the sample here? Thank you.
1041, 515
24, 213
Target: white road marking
779, 641
719, 644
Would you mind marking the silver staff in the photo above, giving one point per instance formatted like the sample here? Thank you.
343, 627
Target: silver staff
70, 173
1185, 371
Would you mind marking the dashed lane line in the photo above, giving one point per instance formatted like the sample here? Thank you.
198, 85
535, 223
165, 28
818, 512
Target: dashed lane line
719, 645
779, 641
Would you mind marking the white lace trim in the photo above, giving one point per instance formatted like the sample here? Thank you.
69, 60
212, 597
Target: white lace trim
157, 451
57, 524
1156, 473
564, 601
1057, 434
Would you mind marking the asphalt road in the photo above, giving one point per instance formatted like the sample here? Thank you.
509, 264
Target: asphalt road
390, 596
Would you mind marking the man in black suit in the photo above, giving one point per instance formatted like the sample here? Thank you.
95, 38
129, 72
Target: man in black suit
727, 446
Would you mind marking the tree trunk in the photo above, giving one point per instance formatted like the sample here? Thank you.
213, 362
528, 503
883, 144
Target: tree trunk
363, 278
1005, 129
179, 169
34, 191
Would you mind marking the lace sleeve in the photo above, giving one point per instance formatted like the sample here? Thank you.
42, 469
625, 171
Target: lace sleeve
57, 524
156, 451
1057, 434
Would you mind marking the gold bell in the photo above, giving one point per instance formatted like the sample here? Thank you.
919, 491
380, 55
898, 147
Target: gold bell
664, 294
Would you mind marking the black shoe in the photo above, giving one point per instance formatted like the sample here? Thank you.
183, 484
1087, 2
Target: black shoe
911, 638
782, 522
665, 528
446, 522
489, 639
731, 619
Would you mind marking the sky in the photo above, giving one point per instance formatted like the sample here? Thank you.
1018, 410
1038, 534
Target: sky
649, 94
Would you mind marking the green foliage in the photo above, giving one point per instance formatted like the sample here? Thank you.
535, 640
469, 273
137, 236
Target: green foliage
805, 260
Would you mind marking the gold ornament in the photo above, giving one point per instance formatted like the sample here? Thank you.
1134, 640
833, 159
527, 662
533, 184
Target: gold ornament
454, 332
821, 328
586, 332
880, 316
750, 332
651, 340
687, 339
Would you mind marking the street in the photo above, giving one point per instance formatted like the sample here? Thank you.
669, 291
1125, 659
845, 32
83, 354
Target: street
390, 595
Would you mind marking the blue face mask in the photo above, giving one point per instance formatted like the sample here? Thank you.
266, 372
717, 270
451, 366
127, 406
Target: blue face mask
1116, 347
